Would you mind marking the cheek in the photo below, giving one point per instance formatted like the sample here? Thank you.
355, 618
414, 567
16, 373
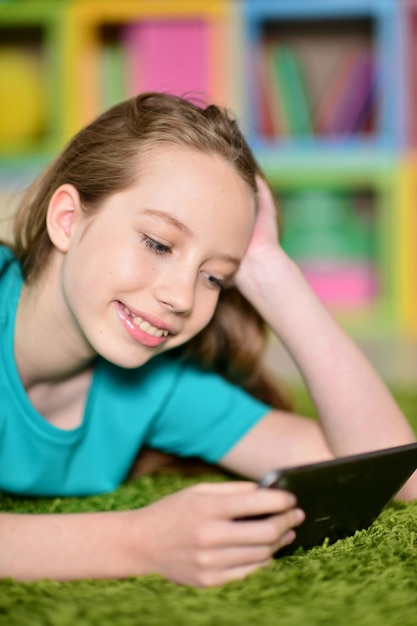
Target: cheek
205, 308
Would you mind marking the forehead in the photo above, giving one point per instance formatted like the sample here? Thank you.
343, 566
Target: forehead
176, 177
160, 152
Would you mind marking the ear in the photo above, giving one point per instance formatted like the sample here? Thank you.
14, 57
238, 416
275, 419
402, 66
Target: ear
63, 211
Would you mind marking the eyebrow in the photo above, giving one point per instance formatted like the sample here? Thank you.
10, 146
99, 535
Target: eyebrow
170, 219
167, 217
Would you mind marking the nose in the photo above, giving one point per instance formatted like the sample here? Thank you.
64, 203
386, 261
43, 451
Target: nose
176, 292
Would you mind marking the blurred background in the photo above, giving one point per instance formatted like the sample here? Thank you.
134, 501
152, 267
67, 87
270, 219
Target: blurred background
325, 91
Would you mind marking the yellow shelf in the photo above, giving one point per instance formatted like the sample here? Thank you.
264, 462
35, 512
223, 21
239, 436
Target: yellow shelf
407, 250
82, 45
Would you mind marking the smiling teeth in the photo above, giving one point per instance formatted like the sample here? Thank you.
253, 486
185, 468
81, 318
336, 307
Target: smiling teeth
146, 326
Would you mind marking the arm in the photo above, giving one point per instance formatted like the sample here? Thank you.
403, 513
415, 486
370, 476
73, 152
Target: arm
356, 411
191, 537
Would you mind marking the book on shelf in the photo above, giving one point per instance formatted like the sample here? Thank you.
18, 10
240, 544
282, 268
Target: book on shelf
346, 106
290, 81
167, 55
325, 111
332, 245
284, 109
363, 122
270, 114
342, 284
113, 74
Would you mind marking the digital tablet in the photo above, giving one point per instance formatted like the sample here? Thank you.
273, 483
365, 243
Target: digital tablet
343, 495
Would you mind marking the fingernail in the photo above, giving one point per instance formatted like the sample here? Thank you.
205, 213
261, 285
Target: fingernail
292, 500
299, 515
289, 537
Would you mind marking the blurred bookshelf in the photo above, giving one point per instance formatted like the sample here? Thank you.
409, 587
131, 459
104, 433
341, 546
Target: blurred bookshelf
325, 92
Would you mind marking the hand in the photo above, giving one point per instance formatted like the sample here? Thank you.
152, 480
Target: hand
194, 537
265, 231
263, 244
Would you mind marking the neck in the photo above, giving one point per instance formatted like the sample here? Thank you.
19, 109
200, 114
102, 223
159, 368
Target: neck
49, 347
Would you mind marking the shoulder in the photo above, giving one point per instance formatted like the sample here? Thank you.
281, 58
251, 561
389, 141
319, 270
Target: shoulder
199, 389
7, 258
9, 266
204, 415
10, 282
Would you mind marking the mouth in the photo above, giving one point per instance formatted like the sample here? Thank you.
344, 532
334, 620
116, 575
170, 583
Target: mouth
145, 326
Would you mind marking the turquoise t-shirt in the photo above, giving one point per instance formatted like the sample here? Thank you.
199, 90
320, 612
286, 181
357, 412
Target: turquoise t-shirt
166, 404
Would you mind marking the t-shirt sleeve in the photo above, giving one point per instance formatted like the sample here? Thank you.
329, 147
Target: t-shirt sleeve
204, 416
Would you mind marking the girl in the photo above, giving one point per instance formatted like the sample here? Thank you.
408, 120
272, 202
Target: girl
132, 309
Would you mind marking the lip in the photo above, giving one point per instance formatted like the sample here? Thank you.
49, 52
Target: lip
153, 320
139, 335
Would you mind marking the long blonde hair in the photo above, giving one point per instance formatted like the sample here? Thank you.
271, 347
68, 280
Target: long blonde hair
104, 158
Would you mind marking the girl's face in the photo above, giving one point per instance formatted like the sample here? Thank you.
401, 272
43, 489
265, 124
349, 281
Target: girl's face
143, 275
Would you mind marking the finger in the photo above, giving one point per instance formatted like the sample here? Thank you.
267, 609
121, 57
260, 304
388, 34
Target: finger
265, 194
242, 500
257, 502
285, 540
239, 573
231, 563
238, 486
248, 497
272, 532
216, 578
231, 559
269, 530
238, 556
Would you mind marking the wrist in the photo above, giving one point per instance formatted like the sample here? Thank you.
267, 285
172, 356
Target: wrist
111, 545
134, 548
270, 269
109, 551
276, 287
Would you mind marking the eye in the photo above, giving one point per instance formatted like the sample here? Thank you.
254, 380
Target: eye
155, 246
217, 283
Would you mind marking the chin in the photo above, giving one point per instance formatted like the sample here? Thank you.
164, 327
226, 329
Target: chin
126, 361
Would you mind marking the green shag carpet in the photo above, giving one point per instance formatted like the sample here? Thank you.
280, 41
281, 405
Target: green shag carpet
366, 580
